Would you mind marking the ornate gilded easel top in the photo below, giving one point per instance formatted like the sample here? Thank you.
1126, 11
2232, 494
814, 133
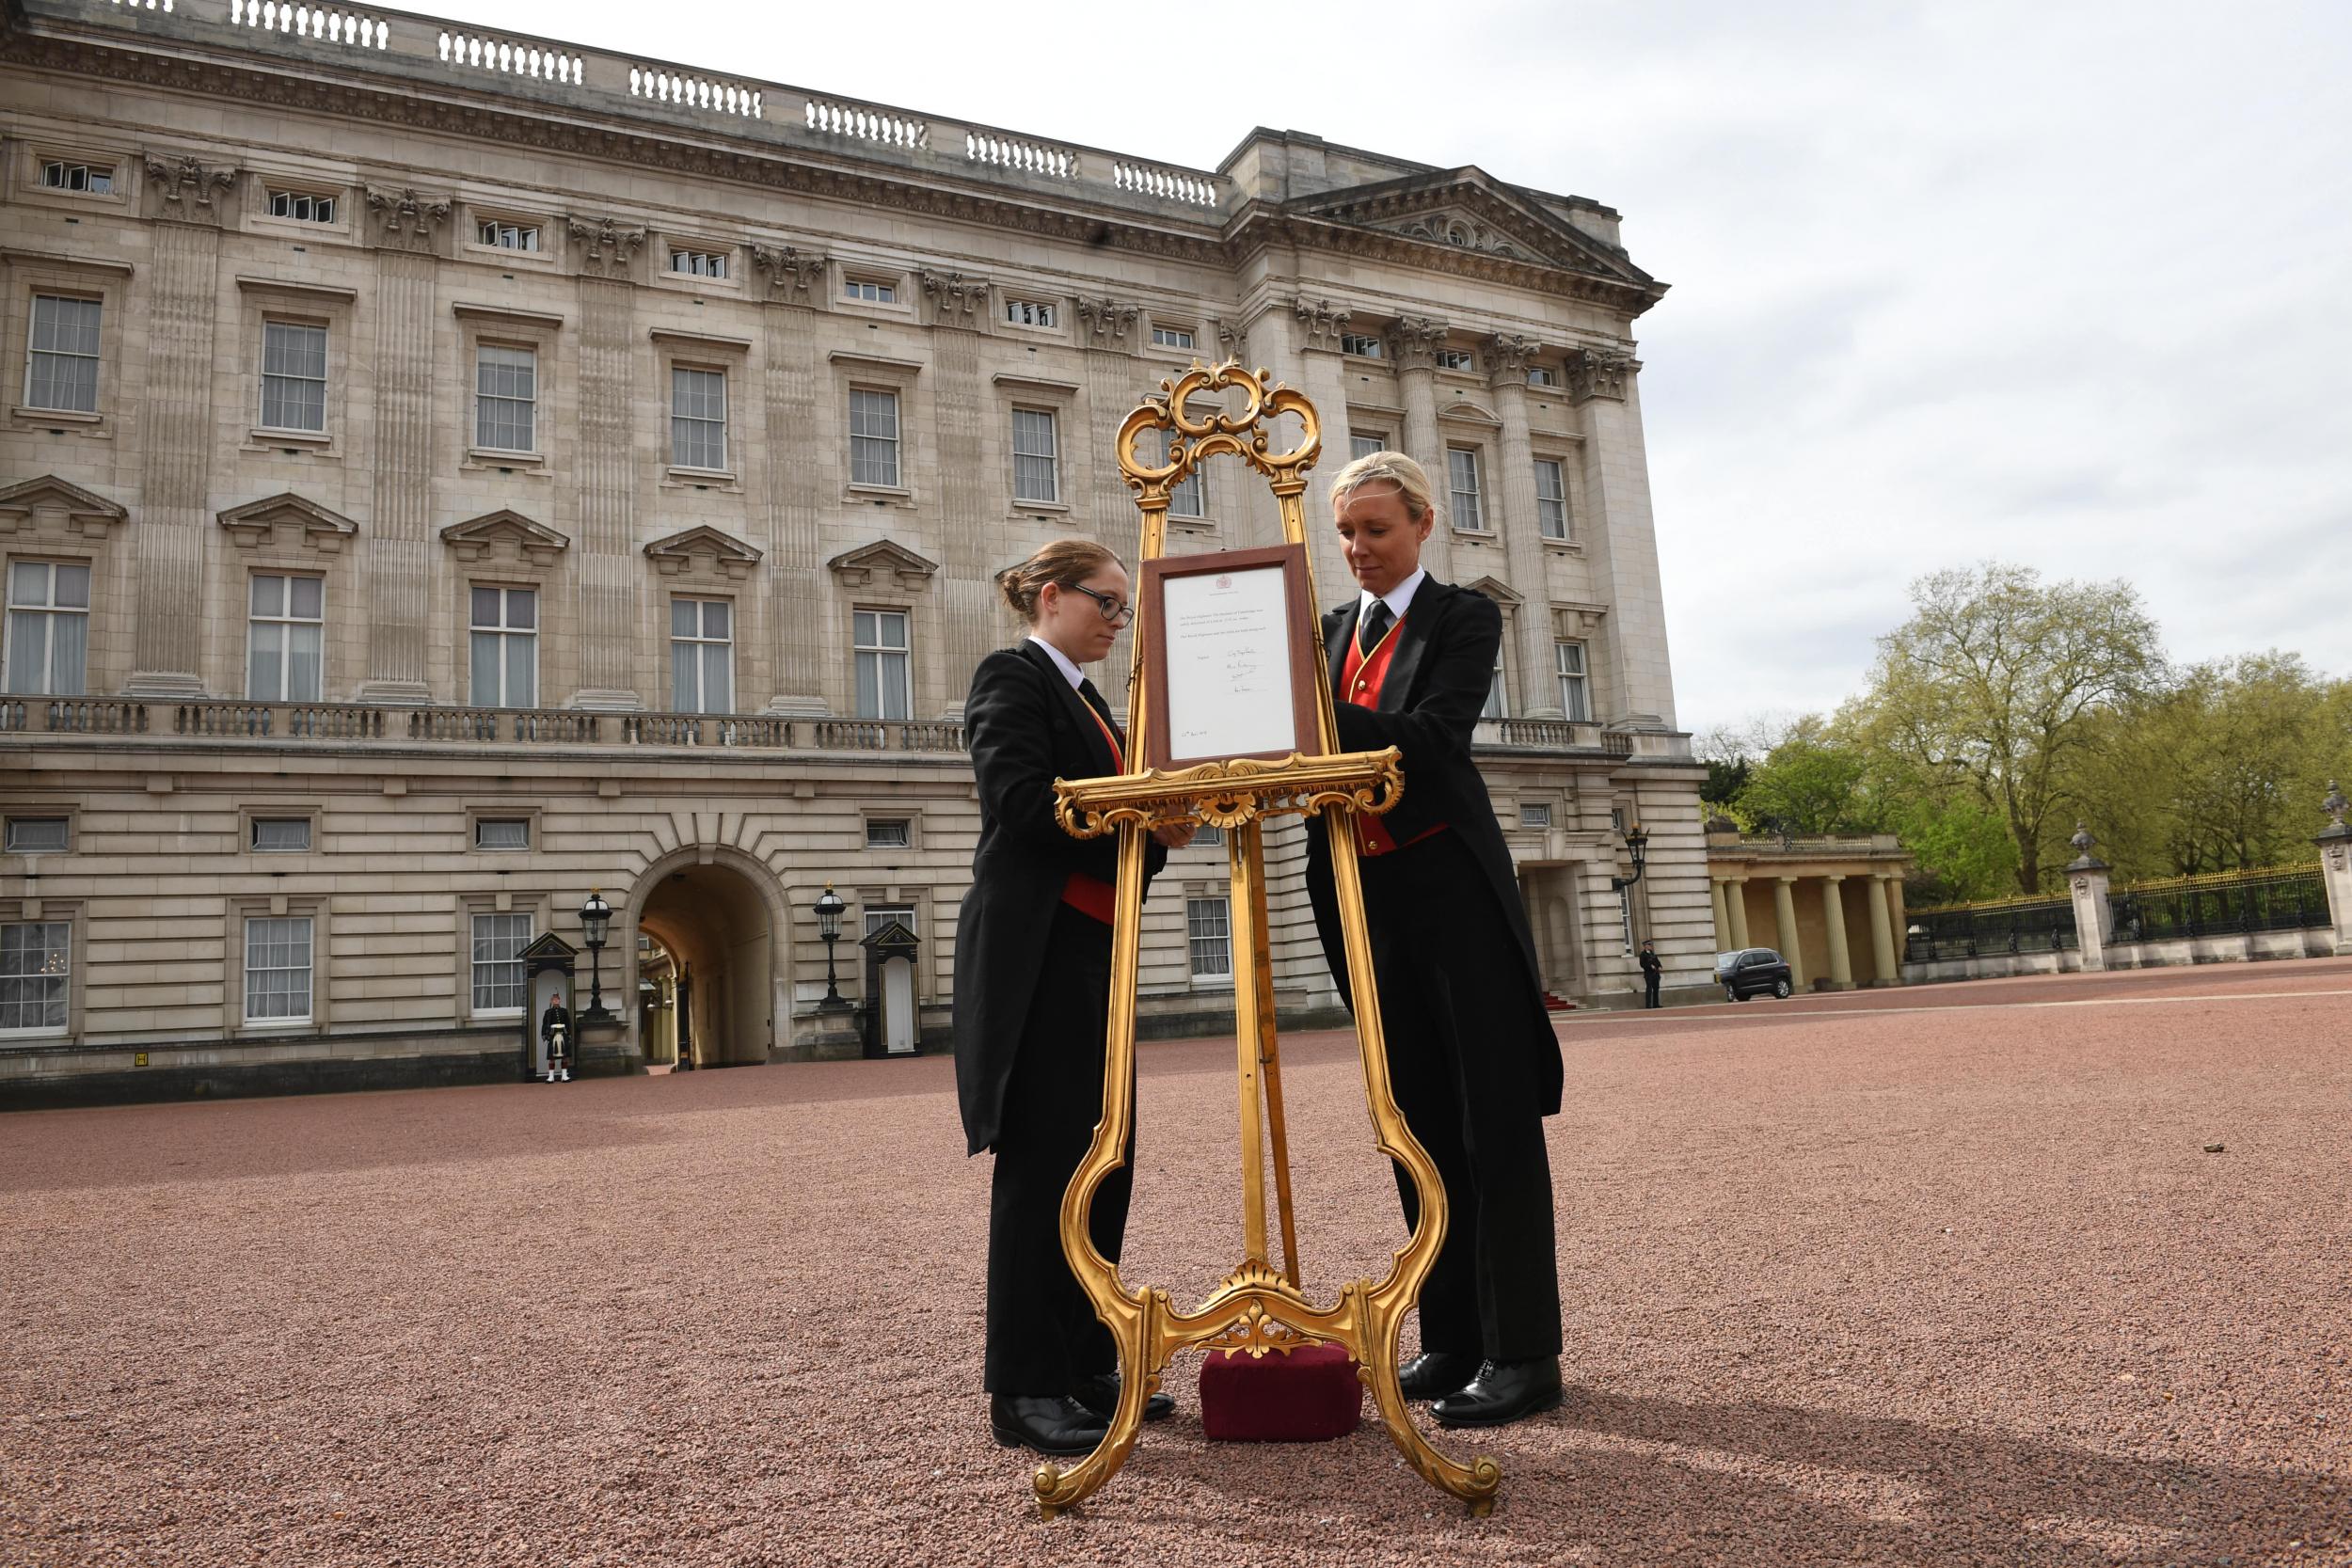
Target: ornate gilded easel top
1195, 435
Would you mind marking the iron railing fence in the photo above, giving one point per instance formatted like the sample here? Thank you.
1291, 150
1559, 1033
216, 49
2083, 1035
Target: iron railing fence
2226, 903
1973, 931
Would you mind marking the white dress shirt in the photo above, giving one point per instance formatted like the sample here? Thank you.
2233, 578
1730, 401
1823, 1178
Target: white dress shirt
1400, 598
1061, 662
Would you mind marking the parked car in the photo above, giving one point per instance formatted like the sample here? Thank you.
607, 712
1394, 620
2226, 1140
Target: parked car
1753, 971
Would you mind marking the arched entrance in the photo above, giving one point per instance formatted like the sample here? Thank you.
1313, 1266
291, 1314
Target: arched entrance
712, 914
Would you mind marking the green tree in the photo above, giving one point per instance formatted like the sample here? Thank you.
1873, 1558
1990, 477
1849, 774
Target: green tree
1998, 682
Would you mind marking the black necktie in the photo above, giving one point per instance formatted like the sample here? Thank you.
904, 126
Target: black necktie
1374, 626
1094, 698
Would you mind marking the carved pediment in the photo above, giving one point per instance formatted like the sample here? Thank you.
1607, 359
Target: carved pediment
53, 506
1496, 590
1468, 210
1577, 620
306, 522
703, 551
891, 939
504, 535
1463, 411
884, 561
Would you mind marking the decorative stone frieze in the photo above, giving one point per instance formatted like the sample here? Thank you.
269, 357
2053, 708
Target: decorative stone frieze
1233, 338
306, 523
884, 561
1323, 325
50, 507
504, 535
704, 552
1599, 373
605, 247
792, 273
1414, 341
1508, 355
406, 221
1108, 324
182, 187
955, 300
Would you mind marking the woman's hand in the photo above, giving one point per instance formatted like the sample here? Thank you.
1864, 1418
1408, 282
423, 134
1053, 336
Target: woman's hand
1173, 835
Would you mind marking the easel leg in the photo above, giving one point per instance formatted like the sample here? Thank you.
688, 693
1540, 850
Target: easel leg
1247, 841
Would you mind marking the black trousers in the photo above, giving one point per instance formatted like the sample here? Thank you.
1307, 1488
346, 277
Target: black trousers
1650, 982
1042, 1334
1446, 964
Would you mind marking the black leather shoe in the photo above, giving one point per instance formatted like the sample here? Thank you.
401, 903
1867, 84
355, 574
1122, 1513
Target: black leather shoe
1051, 1423
1502, 1392
1435, 1373
1100, 1394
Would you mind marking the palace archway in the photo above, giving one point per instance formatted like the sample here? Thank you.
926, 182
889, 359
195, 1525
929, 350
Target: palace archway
715, 914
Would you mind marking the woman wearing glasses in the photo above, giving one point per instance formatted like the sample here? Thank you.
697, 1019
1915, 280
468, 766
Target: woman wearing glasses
1033, 962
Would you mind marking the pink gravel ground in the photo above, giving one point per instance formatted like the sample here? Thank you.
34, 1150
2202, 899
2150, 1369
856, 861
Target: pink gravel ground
1934, 1276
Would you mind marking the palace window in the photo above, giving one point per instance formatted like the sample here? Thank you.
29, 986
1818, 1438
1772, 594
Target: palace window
1462, 487
278, 969
37, 835
294, 376
699, 264
870, 290
873, 438
302, 206
499, 982
1171, 336
1456, 359
278, 835
1497, 700
1208, 836
60, 175
504, 643
879, 639
1030, 312
36, 973
285, 639
1536, 816
48, 646
61, 368
1185, 499
506, 398
1209, 938
502, 235
888, 833
1034, 478
698, 419
1542, 375
876, 916
501, 833
1365, 444
1551, 499
1364, 345
1576, 699
702, 655
1624, 915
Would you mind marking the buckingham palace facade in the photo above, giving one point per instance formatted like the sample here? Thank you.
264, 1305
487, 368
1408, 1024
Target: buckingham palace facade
448, 473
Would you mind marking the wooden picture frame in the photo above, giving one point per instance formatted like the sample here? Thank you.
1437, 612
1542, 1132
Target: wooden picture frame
1230, 654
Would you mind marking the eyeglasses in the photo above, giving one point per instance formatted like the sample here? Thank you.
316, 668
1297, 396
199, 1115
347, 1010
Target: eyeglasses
1117, 611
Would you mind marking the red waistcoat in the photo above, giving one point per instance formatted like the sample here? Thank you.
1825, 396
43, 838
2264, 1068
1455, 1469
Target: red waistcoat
1091, 895
1360, 680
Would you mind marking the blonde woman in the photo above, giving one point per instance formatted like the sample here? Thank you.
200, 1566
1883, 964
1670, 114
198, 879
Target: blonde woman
1033, 945
1475, 1063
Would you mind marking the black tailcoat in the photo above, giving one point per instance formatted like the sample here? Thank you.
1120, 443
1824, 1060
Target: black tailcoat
1430, 701
1026, 725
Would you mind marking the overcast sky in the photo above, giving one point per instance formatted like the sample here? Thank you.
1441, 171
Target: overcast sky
2064, 284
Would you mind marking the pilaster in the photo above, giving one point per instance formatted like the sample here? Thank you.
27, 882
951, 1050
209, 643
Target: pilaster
397, 556
966, 580
1637, 683
794, 473
1413, 344
1105, 509
2094, 913
604, 566
1313, 344
1538, 691
2335, 867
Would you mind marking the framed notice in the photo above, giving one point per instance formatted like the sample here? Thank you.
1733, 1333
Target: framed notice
1229, 657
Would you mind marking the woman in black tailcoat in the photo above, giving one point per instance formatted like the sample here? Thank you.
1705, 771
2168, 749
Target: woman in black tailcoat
1472, 1052
1032, 995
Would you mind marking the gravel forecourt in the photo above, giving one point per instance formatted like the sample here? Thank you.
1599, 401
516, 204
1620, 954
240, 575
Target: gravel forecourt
2020, 1271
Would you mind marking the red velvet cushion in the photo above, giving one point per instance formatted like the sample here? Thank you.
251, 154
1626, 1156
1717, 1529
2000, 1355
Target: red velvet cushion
1309, 1396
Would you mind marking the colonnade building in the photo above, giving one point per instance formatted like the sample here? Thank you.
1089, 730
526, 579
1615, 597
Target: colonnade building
447, 473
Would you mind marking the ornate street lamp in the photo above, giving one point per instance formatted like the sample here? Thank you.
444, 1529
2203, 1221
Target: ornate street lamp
594, 916
1637, 842
829, 907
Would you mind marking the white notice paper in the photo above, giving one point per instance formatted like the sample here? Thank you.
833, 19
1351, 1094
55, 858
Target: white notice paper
1229, 664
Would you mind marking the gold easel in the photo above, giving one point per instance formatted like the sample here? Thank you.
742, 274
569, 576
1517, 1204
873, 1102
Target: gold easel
1254, 1311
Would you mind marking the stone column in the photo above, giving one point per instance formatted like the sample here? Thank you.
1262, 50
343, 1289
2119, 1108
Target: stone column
1784, 915
1634, 683
796, 478
1314, 338
1413, 343
1104, 506
1883, 934
397, 545
175, 417
605, 570
2095, 915
2335, 868
967, 484
1522, 536
1716, 888
1736, 902
1834, 920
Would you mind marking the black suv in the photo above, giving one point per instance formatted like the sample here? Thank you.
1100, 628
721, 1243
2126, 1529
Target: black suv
1753, 971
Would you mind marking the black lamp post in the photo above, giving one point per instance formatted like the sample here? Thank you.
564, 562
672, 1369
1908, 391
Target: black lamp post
1637, 842
829, 907
594, 916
